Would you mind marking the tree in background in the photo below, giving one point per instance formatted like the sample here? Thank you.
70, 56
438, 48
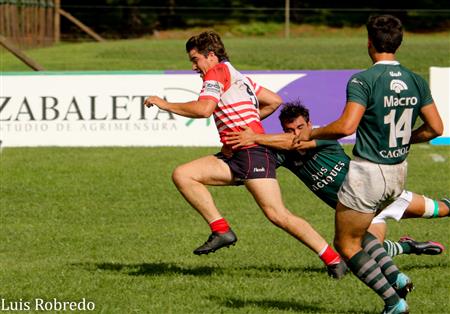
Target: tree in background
132, 18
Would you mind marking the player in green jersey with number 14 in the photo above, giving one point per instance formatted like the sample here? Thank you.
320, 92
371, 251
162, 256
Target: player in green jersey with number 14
383, 103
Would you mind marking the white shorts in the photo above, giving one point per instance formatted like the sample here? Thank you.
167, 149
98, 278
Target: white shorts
394, 210
370, 187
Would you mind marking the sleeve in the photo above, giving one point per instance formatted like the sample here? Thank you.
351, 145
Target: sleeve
425, 92
256, 87
358, 91
323, 143
213, 85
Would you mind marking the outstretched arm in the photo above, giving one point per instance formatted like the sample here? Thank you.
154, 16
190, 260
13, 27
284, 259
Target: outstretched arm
279, 141
192, 109
345, 125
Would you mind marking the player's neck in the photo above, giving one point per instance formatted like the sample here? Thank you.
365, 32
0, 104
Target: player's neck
384, 56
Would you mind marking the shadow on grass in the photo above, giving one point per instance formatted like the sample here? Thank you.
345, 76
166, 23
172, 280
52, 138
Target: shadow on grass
422, 266
320, 269
163, 269
270, 304
150, 269
281, 269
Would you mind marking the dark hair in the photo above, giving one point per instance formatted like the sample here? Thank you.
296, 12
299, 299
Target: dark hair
206, 42
292, 110
385, 32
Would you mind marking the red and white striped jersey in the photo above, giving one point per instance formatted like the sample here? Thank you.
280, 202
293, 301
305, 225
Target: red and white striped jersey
235, 95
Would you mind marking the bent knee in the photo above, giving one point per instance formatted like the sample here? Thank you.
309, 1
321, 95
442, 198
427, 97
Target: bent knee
181, 176
345, 248
278, 217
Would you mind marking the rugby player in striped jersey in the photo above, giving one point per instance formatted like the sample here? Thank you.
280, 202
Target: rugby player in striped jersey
235, 101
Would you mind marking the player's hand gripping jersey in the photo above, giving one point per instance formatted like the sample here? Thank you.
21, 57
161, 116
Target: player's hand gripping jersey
235, 95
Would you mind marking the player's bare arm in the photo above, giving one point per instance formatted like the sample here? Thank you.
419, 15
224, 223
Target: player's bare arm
278, 141
432, 126
248, 137
268, 102
192, 109
346, 125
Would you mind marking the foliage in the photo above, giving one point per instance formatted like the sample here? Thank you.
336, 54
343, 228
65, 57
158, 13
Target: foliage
134, 18
257, 29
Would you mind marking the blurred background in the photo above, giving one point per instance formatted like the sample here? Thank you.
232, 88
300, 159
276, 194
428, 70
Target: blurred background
42, 22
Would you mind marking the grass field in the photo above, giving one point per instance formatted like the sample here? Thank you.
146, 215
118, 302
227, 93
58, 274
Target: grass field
107, 224
309, 49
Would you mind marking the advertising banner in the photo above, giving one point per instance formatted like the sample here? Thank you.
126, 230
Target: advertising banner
105, 108
440, 89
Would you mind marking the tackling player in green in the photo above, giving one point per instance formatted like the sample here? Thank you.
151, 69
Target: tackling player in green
322, 166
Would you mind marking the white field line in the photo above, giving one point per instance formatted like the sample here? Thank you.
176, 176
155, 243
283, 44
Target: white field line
438, 158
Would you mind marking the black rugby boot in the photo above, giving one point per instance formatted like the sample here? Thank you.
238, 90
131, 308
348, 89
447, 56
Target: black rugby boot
418, 248
216, 241
337, 270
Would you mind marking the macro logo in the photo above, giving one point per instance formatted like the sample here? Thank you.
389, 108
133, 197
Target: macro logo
180, 93
398, 85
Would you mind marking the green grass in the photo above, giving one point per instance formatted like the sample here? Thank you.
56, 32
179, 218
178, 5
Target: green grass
317, 48
107, 224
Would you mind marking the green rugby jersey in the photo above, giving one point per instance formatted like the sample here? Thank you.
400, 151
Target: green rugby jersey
322, 169
393, 97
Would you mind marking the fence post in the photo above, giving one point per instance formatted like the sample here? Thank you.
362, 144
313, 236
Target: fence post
19, 54
49, 22
287, 10
57, 20
82, 26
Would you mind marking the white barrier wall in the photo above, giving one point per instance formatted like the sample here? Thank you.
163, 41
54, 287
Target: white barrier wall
105, 109
440, 89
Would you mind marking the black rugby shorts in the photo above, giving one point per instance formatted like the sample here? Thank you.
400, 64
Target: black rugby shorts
256, 162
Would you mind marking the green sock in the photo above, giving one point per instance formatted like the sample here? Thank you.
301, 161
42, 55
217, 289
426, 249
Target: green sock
395, 248
405, 246
368, 271
373, 247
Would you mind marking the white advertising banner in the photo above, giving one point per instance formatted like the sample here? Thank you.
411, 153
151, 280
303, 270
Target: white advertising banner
105, 109
440, 89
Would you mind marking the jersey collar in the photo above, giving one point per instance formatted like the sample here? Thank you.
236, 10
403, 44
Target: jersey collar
393, 62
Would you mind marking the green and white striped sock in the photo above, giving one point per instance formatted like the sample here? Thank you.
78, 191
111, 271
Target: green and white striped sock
393, 248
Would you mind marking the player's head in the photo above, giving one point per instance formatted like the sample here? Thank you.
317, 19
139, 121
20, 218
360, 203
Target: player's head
205, 50
294, 117
385, 33
206, 43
